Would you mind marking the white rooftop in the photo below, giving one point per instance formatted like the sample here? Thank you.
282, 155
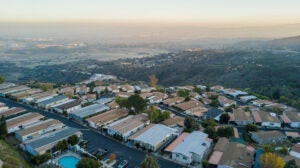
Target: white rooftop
196, 142
156, 134
90, 110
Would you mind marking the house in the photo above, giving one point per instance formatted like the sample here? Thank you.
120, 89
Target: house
154, 136
174, 121
15, 111
47, 142
105, 118
5, 92
189, 104
99, 89
38, 97
89, 97
217, 88
206, 101
127, 126
124, 94
241, 117
82, 89
196, 111
173, 101
20, 95
247, 99
291, 118
190, 147
213, 113
113, 105
68, 107
231, 155
143, 88
295, 151
266, 119
113, 88
22, 121
104, 101
157, 97
6, 85
292, 135
38, 129
46, 104
3, 107
267, 137
261, 103
234, 93
209, 94
225, 102
81, 114
127, 88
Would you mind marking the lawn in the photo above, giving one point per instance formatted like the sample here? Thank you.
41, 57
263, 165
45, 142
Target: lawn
11, 157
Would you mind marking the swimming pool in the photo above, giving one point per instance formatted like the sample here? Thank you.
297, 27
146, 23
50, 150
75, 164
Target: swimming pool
68, 161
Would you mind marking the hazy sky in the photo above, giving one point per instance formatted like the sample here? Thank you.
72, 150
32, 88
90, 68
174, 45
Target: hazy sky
240, 12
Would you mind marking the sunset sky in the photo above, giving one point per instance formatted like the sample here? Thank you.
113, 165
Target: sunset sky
239, 12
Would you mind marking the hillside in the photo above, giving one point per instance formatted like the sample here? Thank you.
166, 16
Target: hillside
11, 157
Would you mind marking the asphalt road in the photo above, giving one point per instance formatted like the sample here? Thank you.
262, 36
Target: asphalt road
96, 140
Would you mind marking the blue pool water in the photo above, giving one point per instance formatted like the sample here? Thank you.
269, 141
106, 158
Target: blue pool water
68, 161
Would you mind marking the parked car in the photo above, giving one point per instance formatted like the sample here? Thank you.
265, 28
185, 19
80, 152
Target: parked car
123, 164
100, 151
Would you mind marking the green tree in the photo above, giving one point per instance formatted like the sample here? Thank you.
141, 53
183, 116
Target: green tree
225, 132
209, 123
62, 145
197, 90
251, 128
268, 148
214, 103
284, 150
3, 128
224, 118
211, 132
183, 93
121, 101
2, 79
205, 164
39, 159
190, 124
136, 104
291, 164
73, 140
157, 115
149, 162
88, 163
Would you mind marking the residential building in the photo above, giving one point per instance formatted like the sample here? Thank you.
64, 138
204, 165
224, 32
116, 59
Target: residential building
22, 121
38, 129
189, 104
12, 112
232, 155
241, 117
5, 92
266, 119
157, 97
105, 118
127, 88
20, 95
49, 141
154, 136
267, 137
196, 111
46, 104
190, 147
234, 93
295, 151
104, 101
38, 97
3, 107
174, 121
82, 89
68, 107
173, 101
127, 126
247, 99
291, 118
261, 103
6, 85
292, 135
213, 113
87, 111
225, 102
